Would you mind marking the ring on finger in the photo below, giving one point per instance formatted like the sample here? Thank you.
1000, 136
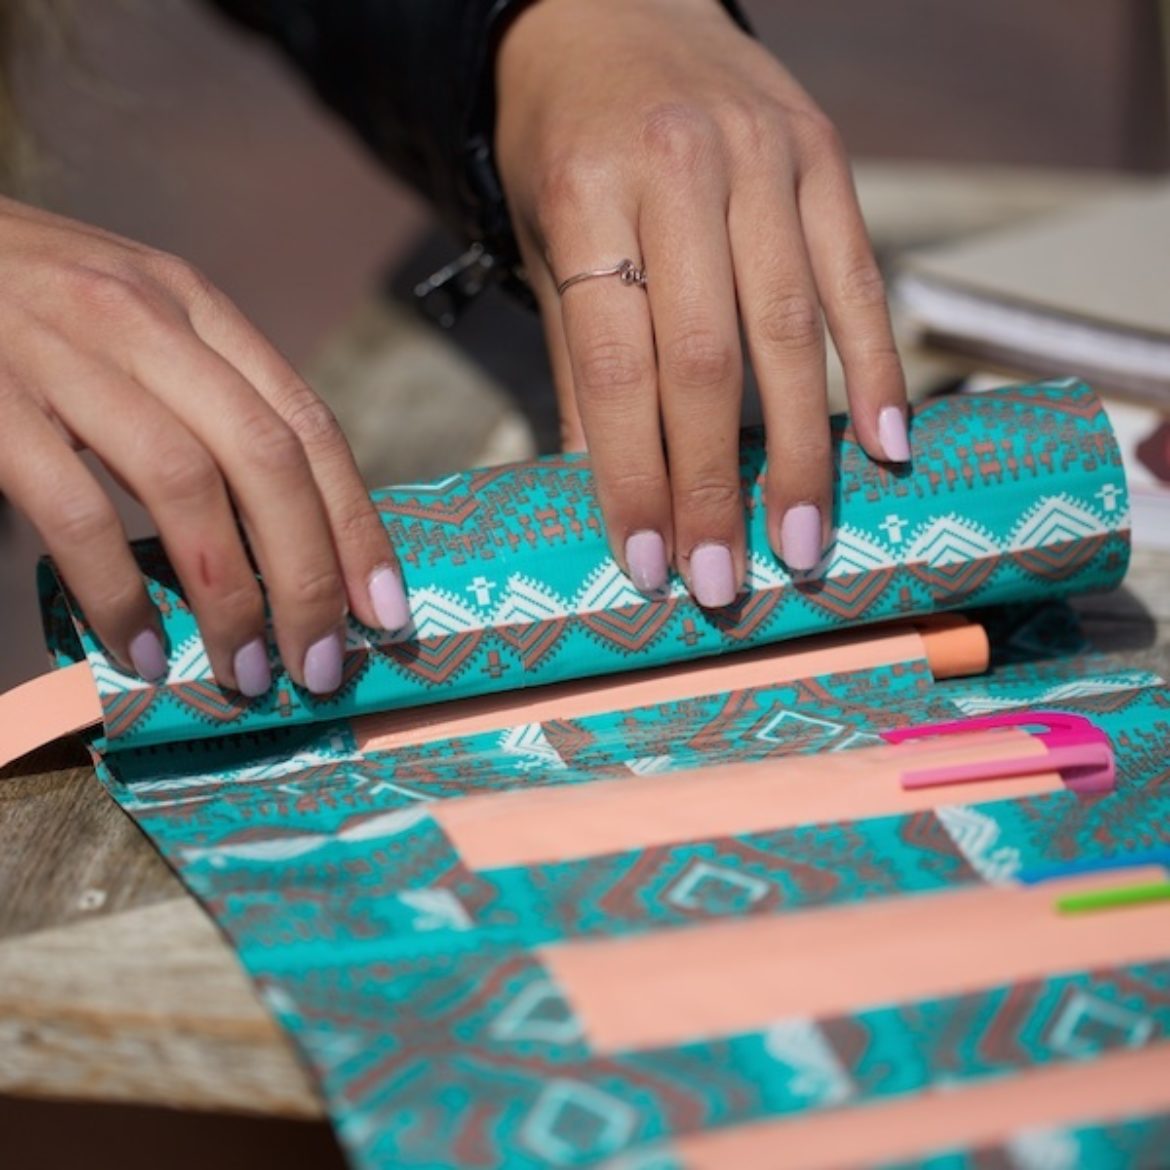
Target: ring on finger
626, 270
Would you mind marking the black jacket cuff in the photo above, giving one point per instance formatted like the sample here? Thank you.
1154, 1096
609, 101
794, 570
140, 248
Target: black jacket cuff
416, 80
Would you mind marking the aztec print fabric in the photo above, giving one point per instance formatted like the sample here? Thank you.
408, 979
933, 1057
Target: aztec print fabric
1016, 494
708, 975
1137, 1144
425, 991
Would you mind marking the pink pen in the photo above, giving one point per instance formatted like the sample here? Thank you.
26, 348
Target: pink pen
1075, 747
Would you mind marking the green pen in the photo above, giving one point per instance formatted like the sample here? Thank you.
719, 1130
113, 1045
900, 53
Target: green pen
1094, 900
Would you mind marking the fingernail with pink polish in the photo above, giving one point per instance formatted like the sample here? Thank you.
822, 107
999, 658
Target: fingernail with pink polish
388, 598
713, 575
323, 665
253, 674
892, 434
800, 537
147, 656
646, 560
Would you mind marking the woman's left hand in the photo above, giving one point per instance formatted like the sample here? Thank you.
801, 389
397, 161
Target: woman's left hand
656, 131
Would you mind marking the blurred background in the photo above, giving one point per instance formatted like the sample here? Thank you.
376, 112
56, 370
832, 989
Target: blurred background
156, 120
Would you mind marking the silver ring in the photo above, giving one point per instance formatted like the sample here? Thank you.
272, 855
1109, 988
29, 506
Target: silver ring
627, 271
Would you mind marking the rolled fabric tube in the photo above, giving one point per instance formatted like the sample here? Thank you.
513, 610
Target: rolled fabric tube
1012, 496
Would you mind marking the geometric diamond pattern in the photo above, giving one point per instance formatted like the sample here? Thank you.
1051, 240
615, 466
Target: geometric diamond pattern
716, 889
572, 1121
539, 1012
1086, 1025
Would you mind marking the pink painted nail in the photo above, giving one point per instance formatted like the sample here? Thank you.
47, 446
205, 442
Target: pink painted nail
147, 656
253, 674
800, 537
892, 433
713, 575
646, 558
323, 665
389, 599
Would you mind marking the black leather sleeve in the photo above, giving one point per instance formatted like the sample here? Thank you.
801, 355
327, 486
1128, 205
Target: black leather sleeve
415, 79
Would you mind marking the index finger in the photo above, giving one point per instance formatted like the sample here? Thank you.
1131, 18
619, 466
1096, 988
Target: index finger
371, 572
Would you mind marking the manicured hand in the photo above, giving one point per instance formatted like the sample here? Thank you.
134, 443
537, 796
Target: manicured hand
655, 130
125, 351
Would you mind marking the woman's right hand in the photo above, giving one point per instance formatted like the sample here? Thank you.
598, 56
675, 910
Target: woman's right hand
126, 351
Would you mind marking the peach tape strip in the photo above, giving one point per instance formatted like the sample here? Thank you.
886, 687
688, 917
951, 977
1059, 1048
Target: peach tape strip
574, 700
950, 643
43, 710
65, 701
716, 979
551, 824
1111, 1088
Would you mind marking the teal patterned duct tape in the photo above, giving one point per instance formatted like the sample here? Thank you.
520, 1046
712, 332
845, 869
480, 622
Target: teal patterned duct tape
1014, 495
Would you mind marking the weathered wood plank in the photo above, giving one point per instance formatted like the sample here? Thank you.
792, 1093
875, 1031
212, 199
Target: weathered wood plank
147, 1006
67, 852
